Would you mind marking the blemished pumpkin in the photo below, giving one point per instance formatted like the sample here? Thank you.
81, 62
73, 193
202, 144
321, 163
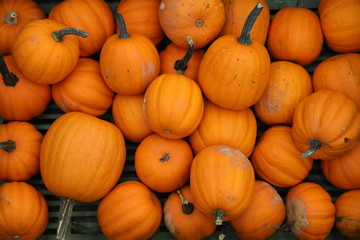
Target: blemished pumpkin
83, 90
348, 214
234, 71
264, 216
128, 62
15, 14
142, 17
183, 220
326, 124
24, 212
130, 211
288, 84
222, 182
310, 212
20, 98
201, 20
44, 45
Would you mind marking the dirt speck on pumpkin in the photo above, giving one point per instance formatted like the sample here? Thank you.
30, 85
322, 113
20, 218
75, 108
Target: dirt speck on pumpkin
296, 215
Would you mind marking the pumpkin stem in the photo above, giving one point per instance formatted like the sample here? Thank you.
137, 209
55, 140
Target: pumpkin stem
9, 78
181, 65
8, 146
222, 236
59, 35
66, 208
11, 18
248, 25
314, 145
219, 216
122, 26
165, 157
187, 207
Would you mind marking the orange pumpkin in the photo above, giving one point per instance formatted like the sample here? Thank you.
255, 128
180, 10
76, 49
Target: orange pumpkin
142, 17
44, 45
222, 182
128, 63
201, 20
326, 125
23, 211
94, 17
83, 90
15, 14
263, 217
234, 71
20, 98
183, 220
340, 22
310, 212
130, 211
288, 84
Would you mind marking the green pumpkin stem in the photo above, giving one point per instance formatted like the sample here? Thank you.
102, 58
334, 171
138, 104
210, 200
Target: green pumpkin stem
187, 207
9, 78
59, 35
11, 18
248, 25
66, 208
8, 146
314, 145
219, 216
181, 65
122, 26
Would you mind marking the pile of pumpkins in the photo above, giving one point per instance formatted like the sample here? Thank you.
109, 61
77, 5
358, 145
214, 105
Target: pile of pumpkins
192, 108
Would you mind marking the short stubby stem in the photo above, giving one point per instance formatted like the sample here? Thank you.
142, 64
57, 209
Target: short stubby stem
8, 146
314, 146
11, 18
219, 216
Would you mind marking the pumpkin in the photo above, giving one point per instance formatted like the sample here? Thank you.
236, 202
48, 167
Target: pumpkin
142, 17
343, 171
340, 22
130, 211
128, 116
201, 20
326, 125
183, 220
94, 17
15, 15
235, 128
20, 144
288, 84
83, 90
128, 63
44, 45
234, 71
23, 211
310, 212
348, 214
79, 149
163, 164
295, 35
222, 182
263, 217
236, 12
277, 160
20, 98
339, 73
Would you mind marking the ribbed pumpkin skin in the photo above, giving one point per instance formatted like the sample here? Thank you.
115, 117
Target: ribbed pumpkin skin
348, 214
218, 125
277, 160
24, 101
22, 163
94, 17
330, 117
130, 211
340, 21
26, 11
83, 90
183, 226
288, 84
173, 105
263, 217
339, 73
343, 171
222, 178
79, 149
23, 211
310, 211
